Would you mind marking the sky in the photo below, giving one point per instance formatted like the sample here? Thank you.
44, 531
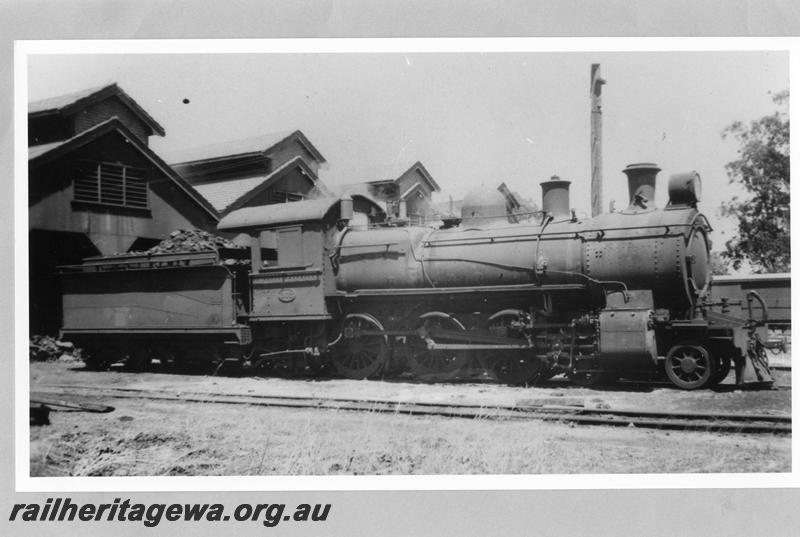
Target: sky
471, 118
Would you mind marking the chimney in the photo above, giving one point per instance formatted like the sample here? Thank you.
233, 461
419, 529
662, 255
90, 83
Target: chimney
641, 184
555, 198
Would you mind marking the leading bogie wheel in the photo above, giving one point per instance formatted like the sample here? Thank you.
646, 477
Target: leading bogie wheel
357, 355
690, 366
517, 368
722, 370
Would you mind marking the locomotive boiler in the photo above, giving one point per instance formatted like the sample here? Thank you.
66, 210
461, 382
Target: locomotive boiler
524, 297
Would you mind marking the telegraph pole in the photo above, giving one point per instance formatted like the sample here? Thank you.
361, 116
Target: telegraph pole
595, 90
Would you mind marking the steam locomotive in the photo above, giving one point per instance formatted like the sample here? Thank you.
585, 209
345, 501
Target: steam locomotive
623, 294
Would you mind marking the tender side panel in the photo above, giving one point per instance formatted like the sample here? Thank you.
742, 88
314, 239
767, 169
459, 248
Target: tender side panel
156, 299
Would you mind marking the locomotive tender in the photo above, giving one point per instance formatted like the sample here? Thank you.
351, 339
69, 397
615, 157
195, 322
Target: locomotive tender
624, 294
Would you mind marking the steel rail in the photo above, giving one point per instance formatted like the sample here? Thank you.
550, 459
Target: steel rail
678, 420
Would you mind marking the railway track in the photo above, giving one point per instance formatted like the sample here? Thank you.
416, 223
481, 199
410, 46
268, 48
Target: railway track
572, 414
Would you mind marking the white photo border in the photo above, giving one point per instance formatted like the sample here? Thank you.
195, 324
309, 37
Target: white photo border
23, 50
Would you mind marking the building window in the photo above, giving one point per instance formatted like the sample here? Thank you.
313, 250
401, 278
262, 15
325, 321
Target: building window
278, 196
110, 184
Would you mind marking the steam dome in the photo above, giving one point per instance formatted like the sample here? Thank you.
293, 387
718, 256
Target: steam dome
483, 205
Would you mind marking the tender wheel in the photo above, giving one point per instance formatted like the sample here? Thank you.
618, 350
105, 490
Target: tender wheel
110, 354
516, 368
139, 359
359, 356
690, 366
194, 358
436, 362
94, 358
171, 358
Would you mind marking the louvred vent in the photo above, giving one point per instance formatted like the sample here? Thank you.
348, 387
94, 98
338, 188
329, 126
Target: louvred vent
110, 184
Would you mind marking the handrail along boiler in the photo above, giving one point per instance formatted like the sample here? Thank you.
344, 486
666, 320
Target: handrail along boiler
624, 294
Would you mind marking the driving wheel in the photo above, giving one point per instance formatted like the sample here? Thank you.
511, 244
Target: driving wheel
424, 361
514, 367
356, 355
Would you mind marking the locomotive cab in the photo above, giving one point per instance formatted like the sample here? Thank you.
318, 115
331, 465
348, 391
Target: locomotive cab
292, 277
291, 273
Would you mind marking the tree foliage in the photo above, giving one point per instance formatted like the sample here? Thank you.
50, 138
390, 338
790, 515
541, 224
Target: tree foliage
719, 265
763, 169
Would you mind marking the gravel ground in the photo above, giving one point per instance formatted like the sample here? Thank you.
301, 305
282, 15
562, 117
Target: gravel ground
174, 438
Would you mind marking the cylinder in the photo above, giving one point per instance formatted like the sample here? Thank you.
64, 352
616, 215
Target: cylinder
641, 184
555, 197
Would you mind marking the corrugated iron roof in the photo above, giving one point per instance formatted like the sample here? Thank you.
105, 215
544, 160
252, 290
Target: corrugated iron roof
60, 101
397, 170
229, 193
240, 146
279, 213
38, 150
221, 194
70, 102
253, 144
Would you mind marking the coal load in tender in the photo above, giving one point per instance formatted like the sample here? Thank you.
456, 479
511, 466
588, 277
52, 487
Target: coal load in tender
193, 240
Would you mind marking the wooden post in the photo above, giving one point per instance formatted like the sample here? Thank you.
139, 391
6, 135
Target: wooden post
595, 90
